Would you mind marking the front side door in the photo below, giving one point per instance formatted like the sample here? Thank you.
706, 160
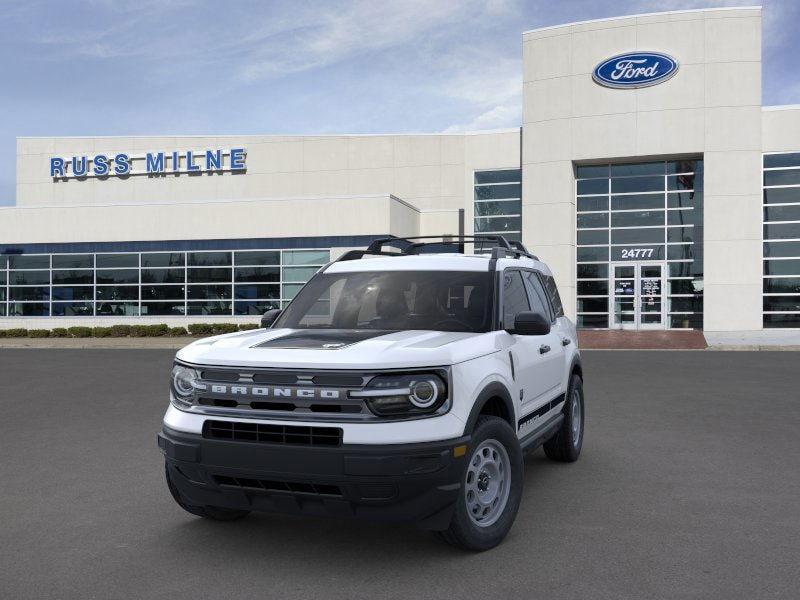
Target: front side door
637, 295
536, 358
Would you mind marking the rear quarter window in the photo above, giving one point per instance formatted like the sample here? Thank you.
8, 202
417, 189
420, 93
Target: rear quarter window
552, 292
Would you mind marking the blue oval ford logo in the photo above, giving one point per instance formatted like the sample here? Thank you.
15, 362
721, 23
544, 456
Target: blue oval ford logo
635, 70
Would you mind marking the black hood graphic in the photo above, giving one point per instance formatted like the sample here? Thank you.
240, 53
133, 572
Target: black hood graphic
323, 339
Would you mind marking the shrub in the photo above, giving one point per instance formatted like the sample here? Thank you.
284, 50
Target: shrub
120, 330
157, 330
38, 333
201, 328
138, 331
248, 326
80, 332
59, 332
177, 331
16, 332
101, 332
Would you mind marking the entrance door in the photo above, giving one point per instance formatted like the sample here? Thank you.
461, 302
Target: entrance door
637, 299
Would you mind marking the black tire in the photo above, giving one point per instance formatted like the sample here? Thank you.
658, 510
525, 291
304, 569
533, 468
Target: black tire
463, 531
563, 446
216, 513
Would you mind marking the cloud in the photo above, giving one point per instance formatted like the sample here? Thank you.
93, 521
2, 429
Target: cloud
497, 117
332, 35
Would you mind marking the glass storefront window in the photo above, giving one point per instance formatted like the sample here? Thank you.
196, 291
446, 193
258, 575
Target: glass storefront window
73, 261
781, 248
163, 259
208, 259
639, 213
154, 283
498, 203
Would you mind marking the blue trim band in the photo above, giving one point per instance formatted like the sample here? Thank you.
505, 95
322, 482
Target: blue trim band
336, 241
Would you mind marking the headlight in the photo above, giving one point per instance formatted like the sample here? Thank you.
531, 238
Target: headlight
184, 382
405, 394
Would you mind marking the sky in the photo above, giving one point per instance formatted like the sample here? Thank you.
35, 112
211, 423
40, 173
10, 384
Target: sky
172, 67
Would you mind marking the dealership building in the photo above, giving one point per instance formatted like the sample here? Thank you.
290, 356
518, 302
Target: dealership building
645, 172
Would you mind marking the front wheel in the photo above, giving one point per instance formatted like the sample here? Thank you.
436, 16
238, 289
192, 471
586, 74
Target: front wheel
566, 444
491, 488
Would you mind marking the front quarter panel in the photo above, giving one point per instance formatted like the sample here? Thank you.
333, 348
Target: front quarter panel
472, 377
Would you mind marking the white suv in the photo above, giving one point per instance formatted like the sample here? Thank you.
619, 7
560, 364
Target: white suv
399, 385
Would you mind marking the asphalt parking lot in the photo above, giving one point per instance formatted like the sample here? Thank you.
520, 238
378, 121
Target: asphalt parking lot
688, 487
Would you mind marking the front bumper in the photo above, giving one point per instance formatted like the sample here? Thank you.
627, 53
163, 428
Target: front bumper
413, 483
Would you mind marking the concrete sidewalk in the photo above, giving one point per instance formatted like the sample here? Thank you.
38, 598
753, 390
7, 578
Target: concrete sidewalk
153, 343
589, 340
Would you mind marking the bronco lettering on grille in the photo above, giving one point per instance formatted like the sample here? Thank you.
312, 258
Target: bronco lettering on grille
276, 392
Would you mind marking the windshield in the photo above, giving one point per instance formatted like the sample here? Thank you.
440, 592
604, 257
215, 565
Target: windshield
394, 301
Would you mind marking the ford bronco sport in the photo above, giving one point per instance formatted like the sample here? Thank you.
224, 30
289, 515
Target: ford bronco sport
401, 384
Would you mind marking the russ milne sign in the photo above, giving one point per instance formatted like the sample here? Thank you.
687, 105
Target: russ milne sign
151, 163
635, 70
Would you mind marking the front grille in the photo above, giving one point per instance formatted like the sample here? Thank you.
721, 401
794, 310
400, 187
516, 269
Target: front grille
264, 433
295, 395
267, 485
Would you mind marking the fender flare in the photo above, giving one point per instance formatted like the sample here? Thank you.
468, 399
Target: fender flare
576, 365
491, 390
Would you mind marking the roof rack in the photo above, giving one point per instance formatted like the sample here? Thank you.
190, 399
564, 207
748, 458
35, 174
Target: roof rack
503, 248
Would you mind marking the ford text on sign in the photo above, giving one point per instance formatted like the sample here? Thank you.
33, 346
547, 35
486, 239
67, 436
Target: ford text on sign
635, 70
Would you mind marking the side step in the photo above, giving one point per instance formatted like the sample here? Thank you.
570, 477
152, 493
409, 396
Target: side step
538, 437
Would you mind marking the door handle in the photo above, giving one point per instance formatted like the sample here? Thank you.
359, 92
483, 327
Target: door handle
566, 342
544, 349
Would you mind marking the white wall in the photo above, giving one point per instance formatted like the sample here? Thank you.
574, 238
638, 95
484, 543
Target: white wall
274, 218
712, 106
430, 171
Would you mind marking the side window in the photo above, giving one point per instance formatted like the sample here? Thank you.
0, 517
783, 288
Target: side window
552, 291
537, 295
515, 300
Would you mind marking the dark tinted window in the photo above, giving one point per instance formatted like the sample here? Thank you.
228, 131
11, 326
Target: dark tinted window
515, 299
29, 262
116, 261
73, 261
163, 259
537, 295
552, 292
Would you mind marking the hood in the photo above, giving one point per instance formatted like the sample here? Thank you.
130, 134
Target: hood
339, 349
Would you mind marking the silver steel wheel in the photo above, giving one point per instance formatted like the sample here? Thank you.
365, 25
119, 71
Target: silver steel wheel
488, 483
576, 417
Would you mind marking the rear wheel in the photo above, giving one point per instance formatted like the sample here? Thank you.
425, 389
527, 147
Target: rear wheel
216, 513
566, 444
491, 487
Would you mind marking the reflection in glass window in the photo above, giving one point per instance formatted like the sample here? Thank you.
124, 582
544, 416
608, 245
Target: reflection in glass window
209, 259
108, 284
117, 261
163, 259
73, 261
117, 276
498, 203
781, 299
29, 261
29, 278
73, 309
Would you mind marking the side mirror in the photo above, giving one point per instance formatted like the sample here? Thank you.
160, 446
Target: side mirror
269, 317
531, 323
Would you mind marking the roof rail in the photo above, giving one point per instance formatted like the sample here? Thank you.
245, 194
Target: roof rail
412, 246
